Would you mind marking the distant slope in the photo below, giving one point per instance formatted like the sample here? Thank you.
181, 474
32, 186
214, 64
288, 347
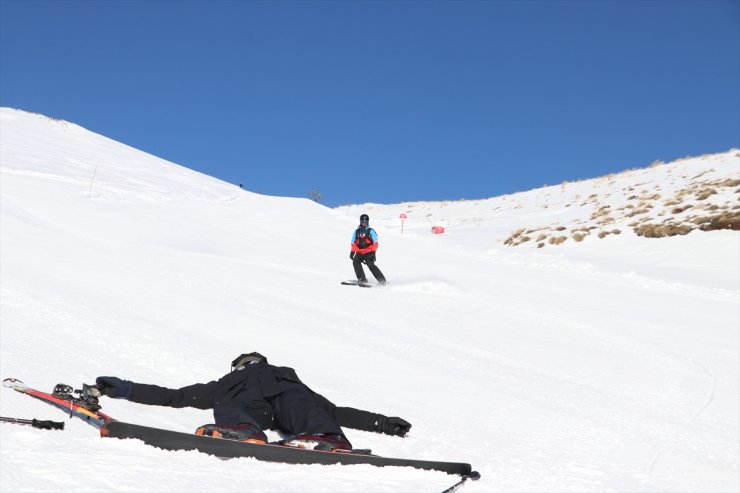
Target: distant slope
665, 199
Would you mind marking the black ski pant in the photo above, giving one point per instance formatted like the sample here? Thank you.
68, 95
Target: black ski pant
300, 411
369, 259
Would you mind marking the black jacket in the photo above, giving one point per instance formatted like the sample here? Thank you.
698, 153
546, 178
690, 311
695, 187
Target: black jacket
248, 393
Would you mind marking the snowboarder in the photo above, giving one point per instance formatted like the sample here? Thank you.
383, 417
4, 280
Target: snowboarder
255, 396
364, 246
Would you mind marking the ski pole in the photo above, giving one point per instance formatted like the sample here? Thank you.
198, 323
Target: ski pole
42, 425
474, 475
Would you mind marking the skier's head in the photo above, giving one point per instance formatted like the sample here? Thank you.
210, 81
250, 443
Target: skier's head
247, 359
364, 220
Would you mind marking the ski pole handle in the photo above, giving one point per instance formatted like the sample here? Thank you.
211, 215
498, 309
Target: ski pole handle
47, 425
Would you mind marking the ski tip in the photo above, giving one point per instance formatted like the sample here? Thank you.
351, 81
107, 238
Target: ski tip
11, 382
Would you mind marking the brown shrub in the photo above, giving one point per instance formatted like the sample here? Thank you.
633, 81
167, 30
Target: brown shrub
705, 194
540, 245
578, 237
542, 237
637, 212
671, 202
726, 220
615, 232
557, 240
729, 183
602, 211
679, 210
662, 230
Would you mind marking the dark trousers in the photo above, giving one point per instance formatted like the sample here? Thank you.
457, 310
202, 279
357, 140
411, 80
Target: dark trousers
360, 272
300, 411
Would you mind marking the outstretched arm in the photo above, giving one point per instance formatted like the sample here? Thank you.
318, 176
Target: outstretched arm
200, 395
367, 421
358, 419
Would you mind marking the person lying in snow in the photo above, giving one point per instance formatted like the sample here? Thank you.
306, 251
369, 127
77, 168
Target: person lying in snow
256, 396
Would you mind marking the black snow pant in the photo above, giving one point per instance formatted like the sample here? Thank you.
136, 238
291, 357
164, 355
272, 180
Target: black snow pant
300, 411
360, 272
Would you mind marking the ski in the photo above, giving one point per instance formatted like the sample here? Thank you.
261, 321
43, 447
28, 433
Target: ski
85, 406
270, 452
361, 284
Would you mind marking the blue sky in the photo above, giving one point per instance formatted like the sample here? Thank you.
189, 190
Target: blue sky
385, 101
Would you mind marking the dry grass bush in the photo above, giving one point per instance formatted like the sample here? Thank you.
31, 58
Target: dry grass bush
676, 201
541, 237
578, 237
602, 211
540, 245
516, 234
705, 194
662, 230
679, 210
557, 240
637, 212
726, 220
729, 182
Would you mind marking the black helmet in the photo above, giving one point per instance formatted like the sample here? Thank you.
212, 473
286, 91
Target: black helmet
364, 219
245, 359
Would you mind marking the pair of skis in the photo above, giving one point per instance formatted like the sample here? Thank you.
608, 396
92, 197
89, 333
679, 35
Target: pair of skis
361, 284
85, 406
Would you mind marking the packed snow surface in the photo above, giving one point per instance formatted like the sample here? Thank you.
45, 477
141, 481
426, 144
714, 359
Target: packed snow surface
602, 365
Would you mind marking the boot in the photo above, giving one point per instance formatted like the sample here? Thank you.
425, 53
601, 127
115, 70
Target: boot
243, 432
322, 441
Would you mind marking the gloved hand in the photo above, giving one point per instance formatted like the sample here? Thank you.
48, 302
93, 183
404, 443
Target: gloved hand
393, 426
352, 255
114, 387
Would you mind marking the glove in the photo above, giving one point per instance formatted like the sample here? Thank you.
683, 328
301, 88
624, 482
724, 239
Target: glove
393, 426
114, 387
352, 255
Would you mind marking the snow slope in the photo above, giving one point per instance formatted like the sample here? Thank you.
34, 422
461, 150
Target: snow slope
602, 365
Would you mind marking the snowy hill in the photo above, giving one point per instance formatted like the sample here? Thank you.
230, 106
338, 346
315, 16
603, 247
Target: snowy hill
607, 364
